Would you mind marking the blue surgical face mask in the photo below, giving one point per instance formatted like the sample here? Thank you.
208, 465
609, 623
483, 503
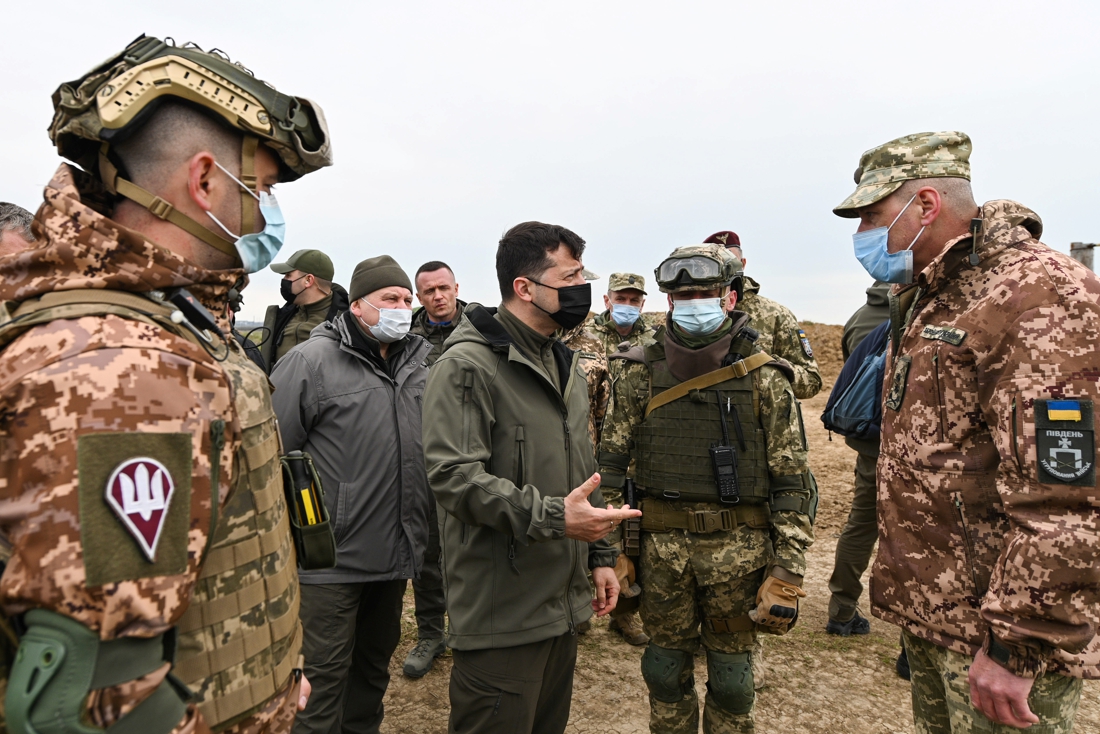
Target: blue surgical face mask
872, 251
624, 315
698, 316
258, 249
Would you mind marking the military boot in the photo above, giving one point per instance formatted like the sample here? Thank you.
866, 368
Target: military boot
422, 657
630, 627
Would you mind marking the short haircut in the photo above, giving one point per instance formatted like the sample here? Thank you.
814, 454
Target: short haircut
175, 132
14, 218
524, 252
430, 267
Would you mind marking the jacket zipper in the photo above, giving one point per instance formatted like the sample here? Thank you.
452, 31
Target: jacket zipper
969, 549
939, 396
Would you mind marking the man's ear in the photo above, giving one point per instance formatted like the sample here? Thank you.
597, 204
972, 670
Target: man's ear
931, 204
201, 181
524, 289
669, 301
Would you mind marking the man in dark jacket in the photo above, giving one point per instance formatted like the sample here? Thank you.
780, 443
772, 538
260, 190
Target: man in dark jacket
437, 291
350, 397
511, 463
311, 299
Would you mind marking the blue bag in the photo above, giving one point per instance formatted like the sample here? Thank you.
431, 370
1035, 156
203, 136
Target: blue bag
855, 404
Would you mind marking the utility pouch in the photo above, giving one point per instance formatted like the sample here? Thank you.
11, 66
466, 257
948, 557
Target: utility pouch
309, 519
632, 527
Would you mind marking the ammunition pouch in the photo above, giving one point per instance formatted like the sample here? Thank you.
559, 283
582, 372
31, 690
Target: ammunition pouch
660, 517
60, 661
314, 541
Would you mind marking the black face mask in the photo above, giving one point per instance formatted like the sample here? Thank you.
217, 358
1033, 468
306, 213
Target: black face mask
574, 303
285, 289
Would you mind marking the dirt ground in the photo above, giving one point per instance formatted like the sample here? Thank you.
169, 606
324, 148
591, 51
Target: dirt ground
816, 683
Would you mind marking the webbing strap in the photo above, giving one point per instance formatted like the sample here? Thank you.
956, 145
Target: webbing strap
743, 623
127, 658
265, 498
161, 209
258, 455
224, 708
208, 613
736, 370
656, 518
226, 558
91, 295
239, 647
248, 178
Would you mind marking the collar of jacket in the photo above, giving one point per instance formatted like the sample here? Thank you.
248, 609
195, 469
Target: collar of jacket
82, 248
1004, 224
750, 286
482, 319
420, 318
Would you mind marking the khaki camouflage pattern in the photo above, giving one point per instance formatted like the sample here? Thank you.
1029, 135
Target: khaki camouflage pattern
884, 169
66, 379
671, 608
625, 282
779, 337
603, 328
941, 695
593, 362
970, 539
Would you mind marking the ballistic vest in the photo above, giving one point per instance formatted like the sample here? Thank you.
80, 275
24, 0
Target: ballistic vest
240, 638
672, 444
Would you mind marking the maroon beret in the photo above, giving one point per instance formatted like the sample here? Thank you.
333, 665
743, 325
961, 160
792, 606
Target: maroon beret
725, 238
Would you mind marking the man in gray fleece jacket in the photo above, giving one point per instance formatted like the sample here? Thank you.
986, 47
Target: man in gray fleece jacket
350, 396
511, 462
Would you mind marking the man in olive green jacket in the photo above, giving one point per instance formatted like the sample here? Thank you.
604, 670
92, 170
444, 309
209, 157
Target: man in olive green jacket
511, 464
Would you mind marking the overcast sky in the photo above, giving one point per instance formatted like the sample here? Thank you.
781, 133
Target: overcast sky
641, 126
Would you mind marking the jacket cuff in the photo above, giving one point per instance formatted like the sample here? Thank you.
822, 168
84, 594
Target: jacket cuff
786, 575
1023, 660
601, 555
555, 516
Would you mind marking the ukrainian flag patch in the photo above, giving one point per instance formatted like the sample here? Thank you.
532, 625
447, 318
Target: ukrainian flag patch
1063, 410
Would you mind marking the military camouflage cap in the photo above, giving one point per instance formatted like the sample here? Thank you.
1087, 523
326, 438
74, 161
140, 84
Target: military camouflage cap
698, 268
314, 262
626, 281
884, 169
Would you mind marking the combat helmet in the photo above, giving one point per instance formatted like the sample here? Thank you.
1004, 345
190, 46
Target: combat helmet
115, 98
700, 268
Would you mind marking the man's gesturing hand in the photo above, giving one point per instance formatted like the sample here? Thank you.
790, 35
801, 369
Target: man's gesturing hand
999, 694
587, 523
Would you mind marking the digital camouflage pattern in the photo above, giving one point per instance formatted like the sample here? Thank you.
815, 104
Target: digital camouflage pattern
941, 695
781, 337
626, 282
603, 328
882, 170
106, 375
593, 363
687, 575
971, 538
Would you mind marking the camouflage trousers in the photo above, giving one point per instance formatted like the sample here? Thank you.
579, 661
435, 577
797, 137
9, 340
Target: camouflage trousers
674, 609
941, 695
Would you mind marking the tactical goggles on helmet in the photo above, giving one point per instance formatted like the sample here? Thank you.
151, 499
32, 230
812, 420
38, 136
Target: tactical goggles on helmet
697, 268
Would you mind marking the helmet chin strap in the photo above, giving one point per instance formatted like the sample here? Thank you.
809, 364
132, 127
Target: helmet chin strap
162, 209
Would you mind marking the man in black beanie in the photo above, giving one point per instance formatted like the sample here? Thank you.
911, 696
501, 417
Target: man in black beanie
350, 397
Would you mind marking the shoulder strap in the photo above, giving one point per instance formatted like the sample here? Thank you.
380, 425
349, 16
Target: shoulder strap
738, 369
88, 302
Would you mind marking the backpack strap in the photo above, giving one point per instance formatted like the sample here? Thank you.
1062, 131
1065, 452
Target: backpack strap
740, 368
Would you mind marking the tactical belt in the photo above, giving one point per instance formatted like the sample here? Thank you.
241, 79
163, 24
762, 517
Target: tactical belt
658, 518
743, 623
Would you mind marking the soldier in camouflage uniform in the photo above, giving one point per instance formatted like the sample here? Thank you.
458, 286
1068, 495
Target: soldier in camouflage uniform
622, 319
780, 334
715, 567
987, 494
141, 491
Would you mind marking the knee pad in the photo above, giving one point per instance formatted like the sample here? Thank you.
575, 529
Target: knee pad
729, 681
661, 670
